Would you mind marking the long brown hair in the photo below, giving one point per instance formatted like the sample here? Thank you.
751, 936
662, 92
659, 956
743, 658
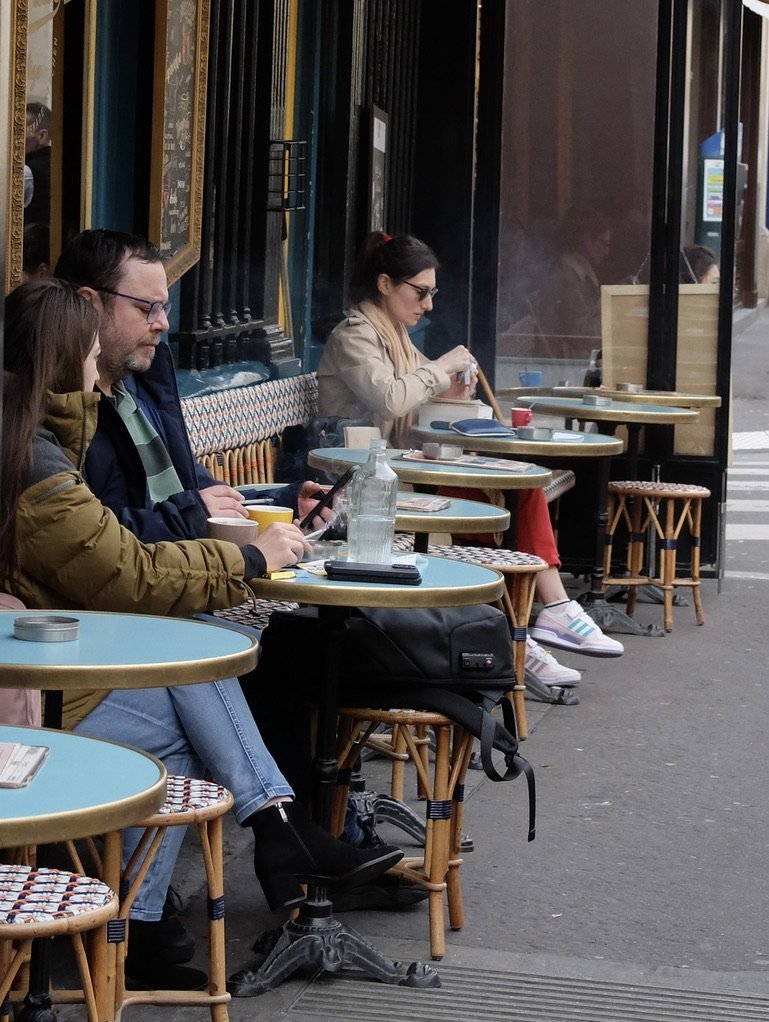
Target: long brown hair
49, 331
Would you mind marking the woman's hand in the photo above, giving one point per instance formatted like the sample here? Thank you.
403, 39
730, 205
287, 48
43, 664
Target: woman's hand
457, 360
281, 545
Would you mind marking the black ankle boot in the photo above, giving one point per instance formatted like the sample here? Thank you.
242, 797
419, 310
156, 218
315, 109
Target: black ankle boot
290, 849
152, 963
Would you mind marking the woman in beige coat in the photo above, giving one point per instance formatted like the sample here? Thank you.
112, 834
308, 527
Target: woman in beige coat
371, 369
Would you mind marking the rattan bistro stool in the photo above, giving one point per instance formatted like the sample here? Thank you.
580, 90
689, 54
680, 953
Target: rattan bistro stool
519, 571
42, 903
660, 511
437, 870
189, 802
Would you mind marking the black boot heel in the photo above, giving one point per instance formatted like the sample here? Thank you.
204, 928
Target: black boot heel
289, 847
282, 891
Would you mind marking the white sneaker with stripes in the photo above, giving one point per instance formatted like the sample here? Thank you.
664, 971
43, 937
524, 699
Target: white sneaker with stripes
542, 665
567, 626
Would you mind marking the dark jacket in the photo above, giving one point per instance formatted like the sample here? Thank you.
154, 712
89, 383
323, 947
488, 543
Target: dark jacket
114, 471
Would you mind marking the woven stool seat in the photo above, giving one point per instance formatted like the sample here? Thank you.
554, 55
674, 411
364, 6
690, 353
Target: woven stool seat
437, 870
519, 570
38, 903
185, 795
189, 802
39, 896
642, 488
489, 557
656, 514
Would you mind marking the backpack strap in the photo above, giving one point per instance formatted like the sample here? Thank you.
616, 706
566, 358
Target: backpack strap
473, 718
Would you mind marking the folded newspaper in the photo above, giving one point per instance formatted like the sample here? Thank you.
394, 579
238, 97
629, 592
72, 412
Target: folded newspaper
19, 763
470, 461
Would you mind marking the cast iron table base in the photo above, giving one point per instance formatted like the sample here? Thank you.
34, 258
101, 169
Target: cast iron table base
316, 940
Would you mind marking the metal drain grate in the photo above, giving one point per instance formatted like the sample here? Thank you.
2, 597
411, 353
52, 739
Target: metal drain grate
467, 995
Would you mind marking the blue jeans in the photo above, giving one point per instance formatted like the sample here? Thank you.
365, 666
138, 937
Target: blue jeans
196, 730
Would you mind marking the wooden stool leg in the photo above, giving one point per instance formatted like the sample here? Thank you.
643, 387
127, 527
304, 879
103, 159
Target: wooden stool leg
613, 511
398, 769
696, 534
635, 549
462, 747
422, 743
211, 842
439, 836
669, 563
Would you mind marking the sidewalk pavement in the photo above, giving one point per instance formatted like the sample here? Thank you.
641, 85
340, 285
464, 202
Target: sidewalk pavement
644, 894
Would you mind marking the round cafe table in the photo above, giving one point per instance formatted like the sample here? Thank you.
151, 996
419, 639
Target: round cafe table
439, 473
466, 516
117, 651
123, 651
315, 938
679, 398
608, 415
85, 787
433, 473
564, 444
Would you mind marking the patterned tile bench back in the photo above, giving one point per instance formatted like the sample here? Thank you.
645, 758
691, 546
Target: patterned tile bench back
236, 433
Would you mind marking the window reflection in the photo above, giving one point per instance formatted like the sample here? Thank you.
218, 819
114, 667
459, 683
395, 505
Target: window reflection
39, 139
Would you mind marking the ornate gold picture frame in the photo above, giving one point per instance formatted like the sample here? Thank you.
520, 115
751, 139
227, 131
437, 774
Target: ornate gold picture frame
178, 132
14, 38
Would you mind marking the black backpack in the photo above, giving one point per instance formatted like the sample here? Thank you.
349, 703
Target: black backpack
457, 661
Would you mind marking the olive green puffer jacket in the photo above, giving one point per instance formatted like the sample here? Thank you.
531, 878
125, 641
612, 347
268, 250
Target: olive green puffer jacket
73, 553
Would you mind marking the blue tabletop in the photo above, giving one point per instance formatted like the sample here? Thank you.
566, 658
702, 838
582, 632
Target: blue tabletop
562, 443
472, 514
433, 472
123, 650
85, 786
627, 408
444, 583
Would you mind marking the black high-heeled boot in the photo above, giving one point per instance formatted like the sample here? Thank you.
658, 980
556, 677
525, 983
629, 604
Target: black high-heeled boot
290, 849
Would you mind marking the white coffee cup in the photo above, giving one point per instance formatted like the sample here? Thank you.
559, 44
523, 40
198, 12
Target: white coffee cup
233, 530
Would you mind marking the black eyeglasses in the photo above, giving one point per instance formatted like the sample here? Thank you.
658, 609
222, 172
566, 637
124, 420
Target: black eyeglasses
423, 292
155, 310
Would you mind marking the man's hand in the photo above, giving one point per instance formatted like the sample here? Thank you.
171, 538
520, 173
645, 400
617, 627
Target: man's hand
222, 501
309, 495
281, 545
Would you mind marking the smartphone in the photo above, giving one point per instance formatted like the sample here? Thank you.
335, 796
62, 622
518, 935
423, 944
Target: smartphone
341, 482
359, 571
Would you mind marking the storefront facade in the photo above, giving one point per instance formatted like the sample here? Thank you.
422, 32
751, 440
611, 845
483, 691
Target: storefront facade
558, 179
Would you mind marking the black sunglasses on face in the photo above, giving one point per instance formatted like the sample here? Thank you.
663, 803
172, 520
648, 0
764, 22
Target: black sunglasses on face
422, 292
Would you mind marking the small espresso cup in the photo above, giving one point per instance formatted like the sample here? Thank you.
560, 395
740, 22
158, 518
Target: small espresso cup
266, 514
233, 530
520, 417
530, 378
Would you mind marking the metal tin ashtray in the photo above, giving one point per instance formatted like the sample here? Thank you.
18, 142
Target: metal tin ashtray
46, 628
595, 401
534, 433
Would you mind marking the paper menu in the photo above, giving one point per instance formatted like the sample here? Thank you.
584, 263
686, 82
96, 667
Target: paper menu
19, 763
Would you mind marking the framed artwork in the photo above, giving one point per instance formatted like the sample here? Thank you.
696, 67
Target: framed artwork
178, 131
377, 206
13, 49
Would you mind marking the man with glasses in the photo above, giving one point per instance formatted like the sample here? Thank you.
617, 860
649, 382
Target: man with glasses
140, 463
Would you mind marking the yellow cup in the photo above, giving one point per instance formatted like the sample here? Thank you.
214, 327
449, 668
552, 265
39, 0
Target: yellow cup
266, 514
